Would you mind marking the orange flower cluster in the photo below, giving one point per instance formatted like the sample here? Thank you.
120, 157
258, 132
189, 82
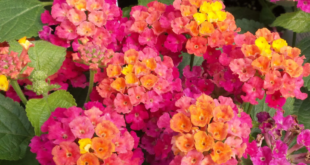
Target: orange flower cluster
207, 23
204, 131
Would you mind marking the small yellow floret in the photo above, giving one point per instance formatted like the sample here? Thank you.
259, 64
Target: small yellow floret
24, 42
200, 18
278, 44
85, 145
4, 83
128, 69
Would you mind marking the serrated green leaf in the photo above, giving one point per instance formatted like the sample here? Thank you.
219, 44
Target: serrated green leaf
301, 110
39, 110
243, 12
15, 130
304, 46
186, 61
28, 159
263, 107
145, 2
20, 18
248, 25
298, 21
46, 57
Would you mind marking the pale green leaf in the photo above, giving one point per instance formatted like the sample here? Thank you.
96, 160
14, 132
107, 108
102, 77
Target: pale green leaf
15, 130
39, 110
15, 47
46, 57
145, 2
248, 25
298, 21
20, 18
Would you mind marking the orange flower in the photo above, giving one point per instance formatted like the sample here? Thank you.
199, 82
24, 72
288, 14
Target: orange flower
103, 148
131, 56
205, 100
138, 26
119, 84
289, 51
149, 81
261, 64
150, 63
107, 130
89, 159
131, 79
180, 123
141, 69
264, 32
292, 68
221, 153
196, 3
200, 116
277, 61
206, 29
218, 130
192, 27
187, 10
250, 51
203, 142
222, 26
197, 46
223, 113
114, 70
185, 142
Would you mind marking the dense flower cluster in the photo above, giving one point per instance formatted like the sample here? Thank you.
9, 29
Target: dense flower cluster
269, 64
14, 65
93, 136
218, 128
279, 133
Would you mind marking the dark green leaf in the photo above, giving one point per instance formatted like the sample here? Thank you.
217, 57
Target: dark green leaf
298, 21
248, 25
20, 18
39, 110
145, 2
126, 11
243, 12
28, 159
304, 46
15, 130
266, 16
307, 82
301, 110
46, 57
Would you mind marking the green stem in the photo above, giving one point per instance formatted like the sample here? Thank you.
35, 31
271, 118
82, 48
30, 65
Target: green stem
19, 91
192, 62
91, 84
47, 3
294, 33
249, 109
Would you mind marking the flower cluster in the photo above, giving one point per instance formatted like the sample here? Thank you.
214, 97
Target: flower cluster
80, 137
216, 127
211, 25
269, 64
139, 77
79, 20
279, 133
14, 65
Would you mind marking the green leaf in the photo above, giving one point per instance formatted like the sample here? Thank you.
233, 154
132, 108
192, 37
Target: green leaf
15, 130
20, 18
248, 25
39, 110
46, 57
243, 12
126, 11
186, 61
304, 46
28, 159
145, 2
307, 82
298, 21
301, 110
266, 16
15, 47
263, 107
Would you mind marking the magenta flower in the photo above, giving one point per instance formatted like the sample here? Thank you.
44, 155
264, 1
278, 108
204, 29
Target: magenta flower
153, 101
175, 42
280, 149
304, 5
60, 132
192, 158
137, 117
148, 38
253, 89
263, 156
275, 100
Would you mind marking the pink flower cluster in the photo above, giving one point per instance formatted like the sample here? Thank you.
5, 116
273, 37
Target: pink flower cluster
280, 149
100, 133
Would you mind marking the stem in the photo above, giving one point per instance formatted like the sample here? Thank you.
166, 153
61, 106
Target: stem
294, 33
249, 109
47, 3
91, 84
192, 62
19, 91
